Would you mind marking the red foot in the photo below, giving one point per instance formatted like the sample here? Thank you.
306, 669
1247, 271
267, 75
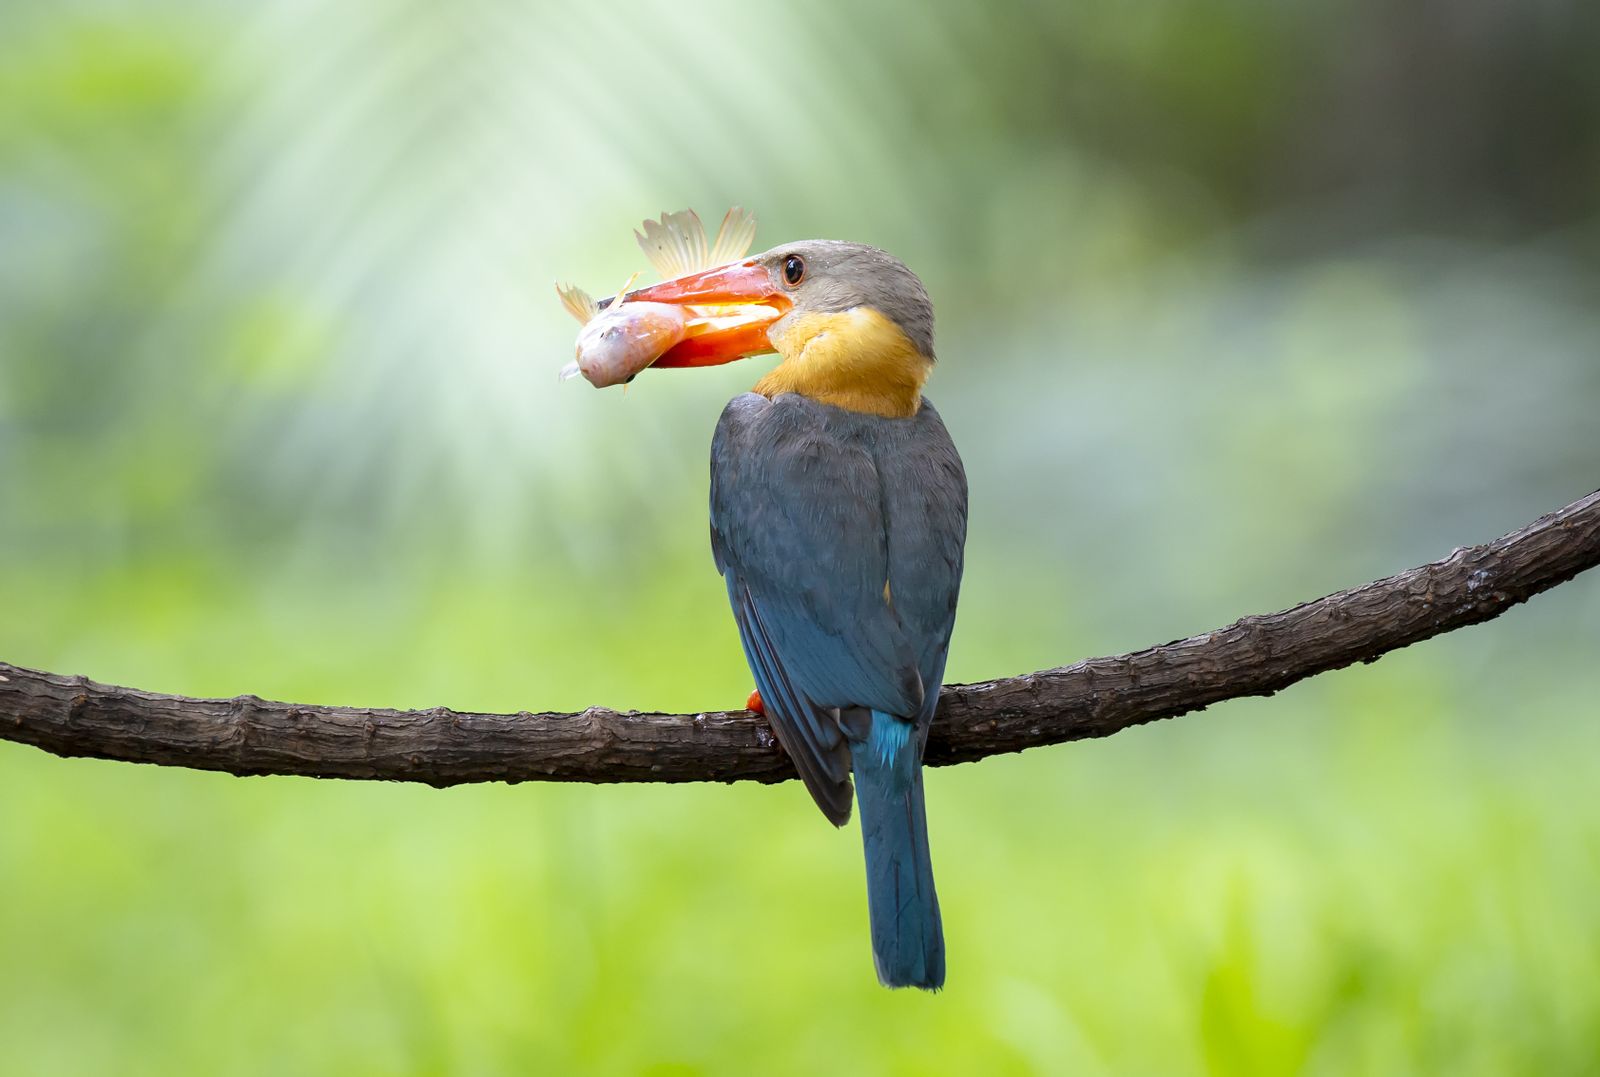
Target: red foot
754, 703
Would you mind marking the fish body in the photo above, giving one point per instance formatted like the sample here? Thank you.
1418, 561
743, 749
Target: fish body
620, 339
623, 339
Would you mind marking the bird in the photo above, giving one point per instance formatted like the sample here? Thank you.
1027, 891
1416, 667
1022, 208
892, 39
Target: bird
838, 510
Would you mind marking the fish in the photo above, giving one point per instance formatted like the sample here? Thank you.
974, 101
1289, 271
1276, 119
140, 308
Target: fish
618, 342
620, 339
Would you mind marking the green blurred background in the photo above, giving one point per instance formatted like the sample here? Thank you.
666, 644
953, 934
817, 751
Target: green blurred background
1240, 303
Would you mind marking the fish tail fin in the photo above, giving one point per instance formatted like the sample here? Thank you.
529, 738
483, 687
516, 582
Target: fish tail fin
734, 237
676, 244
907, 938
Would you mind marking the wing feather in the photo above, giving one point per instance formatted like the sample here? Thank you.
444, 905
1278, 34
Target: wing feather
809, 734
925, 500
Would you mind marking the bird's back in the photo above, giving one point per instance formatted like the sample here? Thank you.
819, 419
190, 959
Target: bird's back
840, 536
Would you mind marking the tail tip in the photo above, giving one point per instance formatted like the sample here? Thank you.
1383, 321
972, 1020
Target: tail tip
925, 974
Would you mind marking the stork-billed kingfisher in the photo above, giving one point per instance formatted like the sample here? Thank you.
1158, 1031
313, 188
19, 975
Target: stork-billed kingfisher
838, 515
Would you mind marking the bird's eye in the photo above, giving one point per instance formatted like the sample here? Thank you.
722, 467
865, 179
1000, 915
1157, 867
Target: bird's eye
794, 269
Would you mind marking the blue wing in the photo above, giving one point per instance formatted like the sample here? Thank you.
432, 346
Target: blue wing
842, 573
925, 504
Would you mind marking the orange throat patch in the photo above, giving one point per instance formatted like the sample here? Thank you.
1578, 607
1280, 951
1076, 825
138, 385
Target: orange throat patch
855, 359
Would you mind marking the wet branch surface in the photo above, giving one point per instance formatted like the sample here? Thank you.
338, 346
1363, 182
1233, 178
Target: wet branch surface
1254, 656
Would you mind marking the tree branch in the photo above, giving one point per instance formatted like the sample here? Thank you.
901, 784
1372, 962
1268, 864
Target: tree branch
1255, 656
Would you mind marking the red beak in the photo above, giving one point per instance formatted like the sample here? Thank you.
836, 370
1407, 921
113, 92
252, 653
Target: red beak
732, 307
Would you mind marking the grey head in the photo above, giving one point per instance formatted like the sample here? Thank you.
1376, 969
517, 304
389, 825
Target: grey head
824, 276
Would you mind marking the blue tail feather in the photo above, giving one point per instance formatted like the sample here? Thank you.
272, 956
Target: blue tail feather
907, 940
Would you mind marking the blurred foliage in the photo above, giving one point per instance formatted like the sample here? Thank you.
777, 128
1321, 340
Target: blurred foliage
1240, 303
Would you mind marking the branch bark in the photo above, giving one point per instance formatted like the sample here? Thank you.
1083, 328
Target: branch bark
1254, 656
